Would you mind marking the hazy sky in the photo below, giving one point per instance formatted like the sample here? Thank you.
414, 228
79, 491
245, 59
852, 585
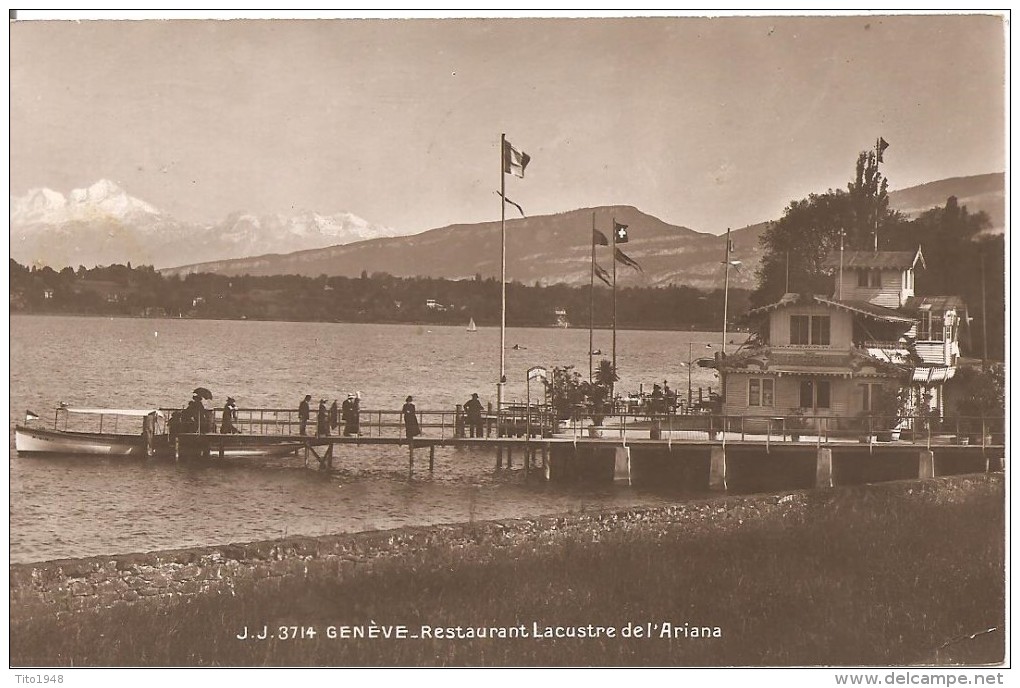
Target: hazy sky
706, 123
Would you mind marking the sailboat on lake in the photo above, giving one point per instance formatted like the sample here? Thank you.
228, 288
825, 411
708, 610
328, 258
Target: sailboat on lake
471, 326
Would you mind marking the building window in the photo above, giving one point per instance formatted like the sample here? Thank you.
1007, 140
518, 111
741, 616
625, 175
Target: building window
822, 394
814, 329
869, 278
799, 329
930, 327
815, 394
869, 390
760, 392
819, 329
807, 394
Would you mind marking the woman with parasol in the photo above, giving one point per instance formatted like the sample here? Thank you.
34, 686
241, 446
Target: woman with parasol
196, 415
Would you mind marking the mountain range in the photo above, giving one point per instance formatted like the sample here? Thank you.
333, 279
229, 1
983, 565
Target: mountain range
544, 249
557, 248
102, 225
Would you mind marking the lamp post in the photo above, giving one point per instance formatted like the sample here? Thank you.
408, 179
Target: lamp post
690, 365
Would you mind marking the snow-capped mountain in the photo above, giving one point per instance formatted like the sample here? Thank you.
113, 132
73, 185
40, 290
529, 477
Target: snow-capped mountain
260, 234
104, 200
103, 224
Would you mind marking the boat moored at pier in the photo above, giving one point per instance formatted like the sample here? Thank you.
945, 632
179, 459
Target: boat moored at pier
100, 432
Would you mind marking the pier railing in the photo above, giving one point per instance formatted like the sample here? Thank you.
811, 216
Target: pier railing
542, 421
816, 429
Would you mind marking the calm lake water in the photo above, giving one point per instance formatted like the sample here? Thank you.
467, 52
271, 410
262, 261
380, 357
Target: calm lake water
73, 506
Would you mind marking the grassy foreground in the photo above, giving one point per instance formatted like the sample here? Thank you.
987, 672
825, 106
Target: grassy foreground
874, 575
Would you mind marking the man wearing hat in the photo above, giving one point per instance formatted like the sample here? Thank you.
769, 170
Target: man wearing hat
228, 424
473, 409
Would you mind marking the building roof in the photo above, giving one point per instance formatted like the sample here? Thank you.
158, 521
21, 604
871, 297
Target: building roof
867, 309
864, 308
939, 304
870, 260
892, 352
788, 299
782, 358
931, 375
828, 363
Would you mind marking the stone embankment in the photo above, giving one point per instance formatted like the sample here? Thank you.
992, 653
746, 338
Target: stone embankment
70, 585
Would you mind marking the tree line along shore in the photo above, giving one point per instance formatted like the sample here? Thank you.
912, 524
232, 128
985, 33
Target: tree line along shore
141, 291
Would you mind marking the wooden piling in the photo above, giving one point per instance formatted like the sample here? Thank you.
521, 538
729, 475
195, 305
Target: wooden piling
717, 477
926, 465
432, 457
499, 456
621, 465
458, 421
410, 457
823, 468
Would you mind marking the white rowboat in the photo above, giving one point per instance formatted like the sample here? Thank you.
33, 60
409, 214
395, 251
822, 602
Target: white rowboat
151, 440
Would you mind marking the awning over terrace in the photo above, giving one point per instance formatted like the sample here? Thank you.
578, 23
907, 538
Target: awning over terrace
934, 375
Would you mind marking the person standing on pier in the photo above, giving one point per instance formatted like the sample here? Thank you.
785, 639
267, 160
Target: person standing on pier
658, 402
356, 414
352, 424
410, 417
334, 416
194, 415
473, 409
228, 426
322, 420
346, 413
304, 412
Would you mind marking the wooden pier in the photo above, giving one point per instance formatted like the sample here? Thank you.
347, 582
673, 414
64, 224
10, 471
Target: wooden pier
719, 451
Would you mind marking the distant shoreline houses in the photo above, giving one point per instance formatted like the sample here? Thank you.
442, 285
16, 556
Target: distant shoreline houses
871, 348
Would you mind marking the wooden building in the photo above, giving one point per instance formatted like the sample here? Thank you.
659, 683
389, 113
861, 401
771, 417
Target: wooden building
836, 356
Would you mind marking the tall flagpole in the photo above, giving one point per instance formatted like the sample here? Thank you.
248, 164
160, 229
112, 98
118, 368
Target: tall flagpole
502, 275
984, 312
614, 293
591, 301
840, 283
726, 292
878, 155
